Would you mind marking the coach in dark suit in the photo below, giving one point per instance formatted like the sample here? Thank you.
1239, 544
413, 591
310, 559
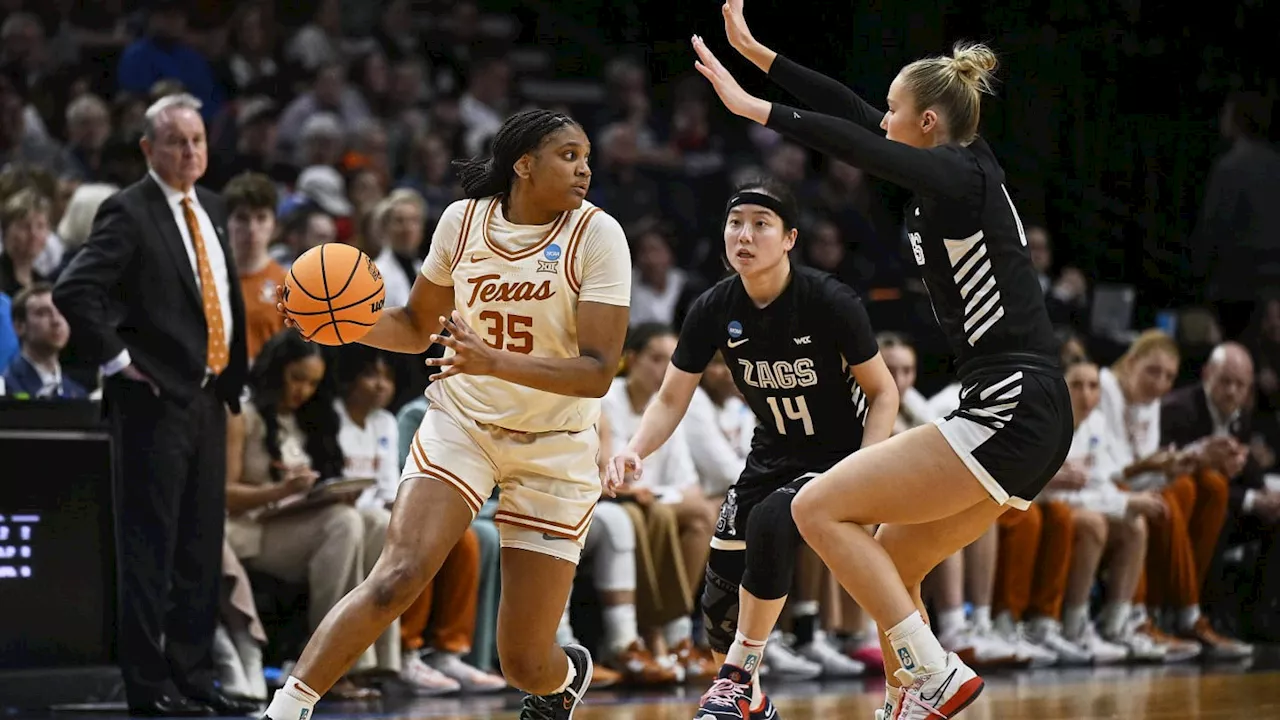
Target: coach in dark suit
1214, 417
153, 298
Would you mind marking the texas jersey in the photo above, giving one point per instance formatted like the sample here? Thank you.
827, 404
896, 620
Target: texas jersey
518, 287
792, 360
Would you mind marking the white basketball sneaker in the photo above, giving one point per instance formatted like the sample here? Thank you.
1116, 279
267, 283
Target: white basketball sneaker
937, 693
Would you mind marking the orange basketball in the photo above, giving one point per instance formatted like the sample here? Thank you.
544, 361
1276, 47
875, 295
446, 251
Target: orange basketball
334, 293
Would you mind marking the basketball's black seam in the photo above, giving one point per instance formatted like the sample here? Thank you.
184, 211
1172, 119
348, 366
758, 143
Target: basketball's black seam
333, 318
305, 291
335, 324
344, 307
352, 276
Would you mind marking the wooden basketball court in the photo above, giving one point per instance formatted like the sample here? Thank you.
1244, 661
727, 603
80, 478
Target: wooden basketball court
1129, 693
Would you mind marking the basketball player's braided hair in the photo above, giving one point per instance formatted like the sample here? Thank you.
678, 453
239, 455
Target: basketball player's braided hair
521, 133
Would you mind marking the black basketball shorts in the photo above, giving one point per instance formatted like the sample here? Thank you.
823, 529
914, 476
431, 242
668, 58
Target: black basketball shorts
1013, 430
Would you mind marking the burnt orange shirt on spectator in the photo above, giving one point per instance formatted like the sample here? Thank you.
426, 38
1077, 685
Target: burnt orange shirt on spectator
260, 316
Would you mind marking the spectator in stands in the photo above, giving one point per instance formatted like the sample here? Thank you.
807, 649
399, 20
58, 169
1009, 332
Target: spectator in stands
1183, 540
252, 66
8, 338
305, 227
175, 363
1107, 522
255, 149
618, 183
324, 187
1214, 418
430, 174
368, 149
43, 333
399, 224
673, 520
319, 42
330, 94
660, 291
365, 189
1236, 244
251, 225
15, 145
396, 34
485, 103
285, 440
77, 221
24, 226
1067, 296
163, 54
23, 45
88, 129
826, 250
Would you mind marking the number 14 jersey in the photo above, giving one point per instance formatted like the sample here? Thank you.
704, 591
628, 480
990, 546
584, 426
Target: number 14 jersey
518, 287
792, 361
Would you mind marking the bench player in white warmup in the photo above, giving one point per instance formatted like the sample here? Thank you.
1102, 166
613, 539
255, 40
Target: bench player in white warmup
536, 283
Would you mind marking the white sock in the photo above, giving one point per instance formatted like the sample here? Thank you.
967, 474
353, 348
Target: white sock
1114, 617
1188, 617
294, 701
568, 680
1073, 621
746, 654
892, 695
950, 621
982, 617
620, 627
915, 645
757, 694
678, 630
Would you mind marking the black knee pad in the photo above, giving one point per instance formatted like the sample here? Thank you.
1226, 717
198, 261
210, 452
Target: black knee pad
720, 597
772, 542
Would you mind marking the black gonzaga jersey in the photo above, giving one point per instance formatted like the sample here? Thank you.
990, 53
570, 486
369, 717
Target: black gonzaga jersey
964, 231
792, 360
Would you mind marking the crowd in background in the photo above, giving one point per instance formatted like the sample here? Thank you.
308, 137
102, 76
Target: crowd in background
1157, 542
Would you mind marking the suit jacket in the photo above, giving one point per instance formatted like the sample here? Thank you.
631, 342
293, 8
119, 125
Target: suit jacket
1185, 418
132, 287
22, 379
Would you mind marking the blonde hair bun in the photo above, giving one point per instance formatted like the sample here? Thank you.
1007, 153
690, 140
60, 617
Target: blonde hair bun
975, 64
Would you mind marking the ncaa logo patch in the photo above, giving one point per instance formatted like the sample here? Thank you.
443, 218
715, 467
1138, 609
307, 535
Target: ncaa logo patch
905, 659
551, 261
735, 329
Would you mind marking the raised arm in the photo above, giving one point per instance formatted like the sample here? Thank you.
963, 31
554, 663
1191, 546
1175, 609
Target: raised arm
943, 171
809, 86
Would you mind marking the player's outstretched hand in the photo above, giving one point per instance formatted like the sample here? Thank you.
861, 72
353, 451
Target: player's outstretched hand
738, 101
288, 321
470, 353
624, 464
735, 27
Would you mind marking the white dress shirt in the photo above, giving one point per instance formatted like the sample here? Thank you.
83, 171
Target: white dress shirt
213, 251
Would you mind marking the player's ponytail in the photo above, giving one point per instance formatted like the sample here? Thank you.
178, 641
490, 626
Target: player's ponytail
975, 66
953, 86
522, 133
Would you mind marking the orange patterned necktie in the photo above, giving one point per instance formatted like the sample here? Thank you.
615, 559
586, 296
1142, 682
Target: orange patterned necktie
216, 354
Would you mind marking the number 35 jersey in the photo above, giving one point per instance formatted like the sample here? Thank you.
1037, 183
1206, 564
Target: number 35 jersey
792, 360
518, 287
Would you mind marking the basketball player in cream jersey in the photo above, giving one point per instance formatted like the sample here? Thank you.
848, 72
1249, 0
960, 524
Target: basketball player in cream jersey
535, 283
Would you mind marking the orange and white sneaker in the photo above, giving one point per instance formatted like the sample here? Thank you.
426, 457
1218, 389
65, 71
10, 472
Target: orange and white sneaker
937, 693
